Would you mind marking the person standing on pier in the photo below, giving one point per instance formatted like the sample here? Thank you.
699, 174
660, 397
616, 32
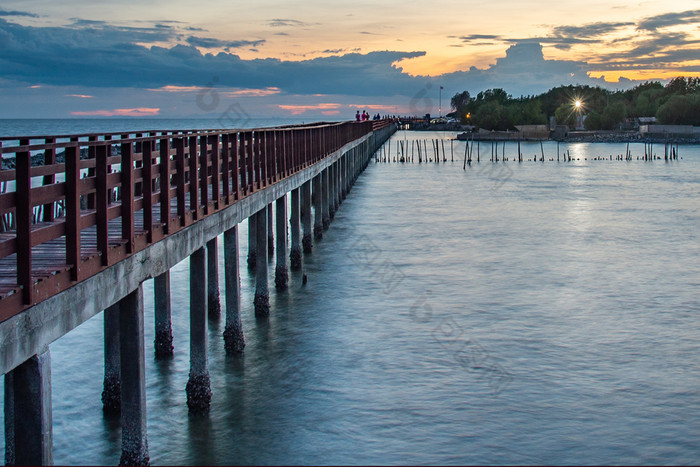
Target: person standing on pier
357, 116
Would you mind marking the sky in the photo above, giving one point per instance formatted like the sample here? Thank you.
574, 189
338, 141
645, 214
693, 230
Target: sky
325, 60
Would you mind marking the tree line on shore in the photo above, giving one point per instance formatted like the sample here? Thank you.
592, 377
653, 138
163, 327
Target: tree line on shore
676, 103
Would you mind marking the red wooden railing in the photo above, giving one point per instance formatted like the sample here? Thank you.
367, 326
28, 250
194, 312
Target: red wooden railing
134, 191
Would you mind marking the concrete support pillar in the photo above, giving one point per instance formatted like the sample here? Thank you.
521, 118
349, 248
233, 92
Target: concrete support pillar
353, 167
252, 247
325, 200
213, 303
281, 272
164, 329
331, 191
336, 184
198, 386
343, 176
133, 380
28, 424
111, 387
9, 420
262, 294
295, 226
306, 241
318, 207
234, 341
270, 232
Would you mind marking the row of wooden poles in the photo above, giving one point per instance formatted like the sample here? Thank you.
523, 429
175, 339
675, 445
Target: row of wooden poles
27, 387
418, 150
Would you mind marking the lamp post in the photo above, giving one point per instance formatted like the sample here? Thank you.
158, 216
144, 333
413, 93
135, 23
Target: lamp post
440, 108
577, 108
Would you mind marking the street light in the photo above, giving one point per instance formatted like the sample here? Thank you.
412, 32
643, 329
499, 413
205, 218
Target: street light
578, 108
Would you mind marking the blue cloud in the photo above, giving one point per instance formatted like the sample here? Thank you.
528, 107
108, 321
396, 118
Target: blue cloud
17, 13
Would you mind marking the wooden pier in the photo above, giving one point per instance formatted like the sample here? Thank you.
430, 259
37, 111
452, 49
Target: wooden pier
104, 212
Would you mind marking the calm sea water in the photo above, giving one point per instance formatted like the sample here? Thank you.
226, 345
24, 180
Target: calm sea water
542, 313
57, 126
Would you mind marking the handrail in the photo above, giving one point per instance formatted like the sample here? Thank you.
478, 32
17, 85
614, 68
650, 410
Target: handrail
113, 176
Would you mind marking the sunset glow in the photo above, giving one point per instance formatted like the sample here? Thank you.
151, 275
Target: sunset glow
291, 56
117, 113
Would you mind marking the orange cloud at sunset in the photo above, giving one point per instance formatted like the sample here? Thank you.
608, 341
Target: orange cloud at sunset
137, 112
613, 76
300, 109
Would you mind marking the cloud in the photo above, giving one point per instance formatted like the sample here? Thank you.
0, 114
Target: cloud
210, 43
479, 37
136, 112
63, 55
279, 23
81, 96
522, 71
223, 92
17, 13
652, 23
300, 109
589, 30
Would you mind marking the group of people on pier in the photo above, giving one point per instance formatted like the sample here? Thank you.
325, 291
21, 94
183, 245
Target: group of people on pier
364, 116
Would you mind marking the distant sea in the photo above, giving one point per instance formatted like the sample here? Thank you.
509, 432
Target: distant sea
62, 126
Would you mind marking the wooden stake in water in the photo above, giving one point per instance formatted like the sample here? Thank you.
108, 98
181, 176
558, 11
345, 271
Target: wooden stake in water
466, 149
542, 149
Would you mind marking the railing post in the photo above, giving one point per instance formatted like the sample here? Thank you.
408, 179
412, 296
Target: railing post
180, 180
226, 168
127, 194
147, 189
165, 184
102, 202
216, 171
73, 256
249, 162
91, 171
49, 159
23, 188
236, 156
204, 173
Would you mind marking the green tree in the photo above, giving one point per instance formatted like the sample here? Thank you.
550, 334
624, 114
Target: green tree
593, 121
492, 116
683, 85
459, 103
647, 103
680, 110
613, 115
